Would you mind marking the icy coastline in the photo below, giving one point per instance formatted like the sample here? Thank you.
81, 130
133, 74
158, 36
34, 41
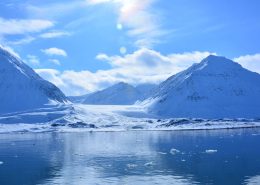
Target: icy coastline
84, 118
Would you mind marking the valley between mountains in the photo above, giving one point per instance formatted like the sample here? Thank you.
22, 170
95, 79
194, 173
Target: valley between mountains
216, 93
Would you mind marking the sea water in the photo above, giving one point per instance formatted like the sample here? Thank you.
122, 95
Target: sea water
229, 157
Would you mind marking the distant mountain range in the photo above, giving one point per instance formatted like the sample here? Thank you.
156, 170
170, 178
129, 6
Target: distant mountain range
215, 88
118, 94
21, 88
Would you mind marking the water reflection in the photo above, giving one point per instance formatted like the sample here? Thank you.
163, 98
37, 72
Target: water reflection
131, 158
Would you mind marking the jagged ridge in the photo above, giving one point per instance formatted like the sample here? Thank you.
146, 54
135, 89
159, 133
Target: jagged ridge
21, 88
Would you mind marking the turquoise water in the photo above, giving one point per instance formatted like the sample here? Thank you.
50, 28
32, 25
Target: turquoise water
143, 157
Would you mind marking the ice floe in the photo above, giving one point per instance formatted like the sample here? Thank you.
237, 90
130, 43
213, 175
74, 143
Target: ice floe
211, 151
131, 166
174, 151
149, 164
162, 153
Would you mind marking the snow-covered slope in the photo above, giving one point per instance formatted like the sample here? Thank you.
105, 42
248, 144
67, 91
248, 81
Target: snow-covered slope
146, 90
21, 88
118, 94
78, 99
215, 88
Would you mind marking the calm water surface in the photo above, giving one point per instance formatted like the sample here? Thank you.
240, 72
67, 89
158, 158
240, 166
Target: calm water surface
197, 157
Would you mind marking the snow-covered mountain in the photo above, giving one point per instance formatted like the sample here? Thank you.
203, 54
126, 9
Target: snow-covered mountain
214, 88
21, 88
78, 99
146, 89
118, 94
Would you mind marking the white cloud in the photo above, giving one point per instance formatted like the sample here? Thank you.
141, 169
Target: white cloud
51, 75
60, 80
139, 20
23, 26
54, 34
55, 61
147, 58
251, 62
33, 60
142, 66
53, 9
25, 40
54, 51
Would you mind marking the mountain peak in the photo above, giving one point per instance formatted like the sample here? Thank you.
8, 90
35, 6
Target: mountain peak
11, 63
21, 88
7, 52
118, 94
215, 65
122, 84
215, 88
214, 59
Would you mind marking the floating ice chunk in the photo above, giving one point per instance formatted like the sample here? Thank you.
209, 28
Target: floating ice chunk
1, 162
162, 153
79, 154
211, 151
131, 166
149, 164
174, 151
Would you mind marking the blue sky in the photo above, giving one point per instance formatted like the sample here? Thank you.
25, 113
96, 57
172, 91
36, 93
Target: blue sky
86, 45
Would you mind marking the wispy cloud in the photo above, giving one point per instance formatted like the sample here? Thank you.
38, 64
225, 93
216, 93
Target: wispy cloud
47, 35
54, 34
55, 9
51, 75
60, 80
142, 66
25, 40
251, 62
32, 60
55, 61
55, 51
138, 19
23, 26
